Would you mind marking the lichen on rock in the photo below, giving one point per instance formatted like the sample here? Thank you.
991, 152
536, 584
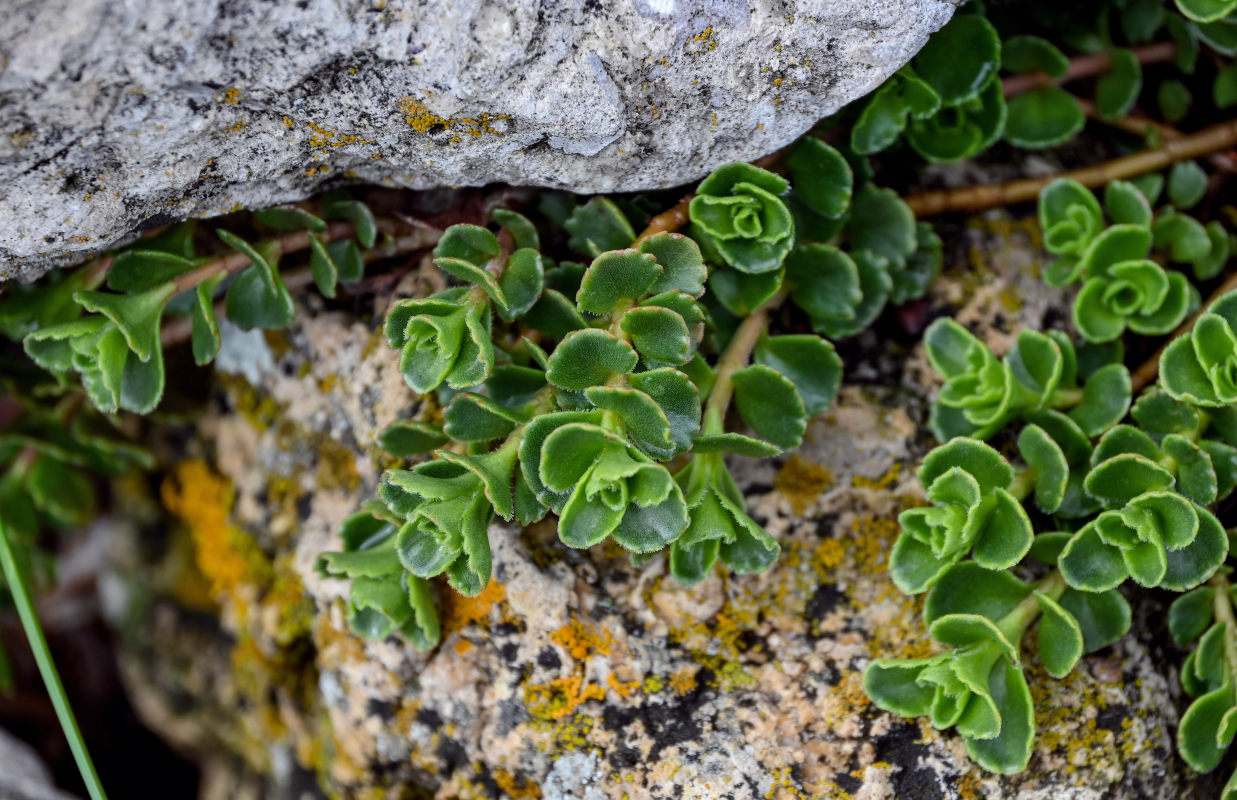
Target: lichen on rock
578, 675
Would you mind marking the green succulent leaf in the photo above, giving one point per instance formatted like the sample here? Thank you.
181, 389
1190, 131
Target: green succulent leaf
255, 300
1089, 564
1117, 89
406, 437
340, 206
659, 335
471, 244
554, 315
1105, 399
588, 358
1121, 478
735, 443
1196, 477
678, 398
911, 281
1217, 257
960, 59
474, 418
1196, 562
598, 226
769, 402
521, 283
323, 267
961, 131
615, 277
139, 270
809, 362
822, 178
1202, 736
1184, 237
1059, 637
206, 338
1048, 464
643, 418
1103, 617
682, 265
825, 280
881, 223
1187, 183
1031, 54
978, 459
1191, 614
522, 231
1126, 205
289, 218
967, 588
1043, 117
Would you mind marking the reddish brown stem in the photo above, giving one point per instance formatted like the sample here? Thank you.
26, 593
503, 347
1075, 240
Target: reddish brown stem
1087, 66
977, 198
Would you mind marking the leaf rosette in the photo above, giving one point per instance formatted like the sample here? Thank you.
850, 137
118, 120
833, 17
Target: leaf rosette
1158, 538
1200, 367
972, 510
740, 209
613, 490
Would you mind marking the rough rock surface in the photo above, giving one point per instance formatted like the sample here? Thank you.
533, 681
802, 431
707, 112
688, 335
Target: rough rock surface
22, 775
575, 675
120, 116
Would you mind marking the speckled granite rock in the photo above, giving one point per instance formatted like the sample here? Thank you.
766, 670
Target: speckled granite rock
576, 676
120, 115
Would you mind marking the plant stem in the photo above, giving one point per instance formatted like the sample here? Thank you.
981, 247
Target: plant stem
977, 198
667, 221
1142, 126
1086, 66
180, 329
1015, 623
1224, 613
47, 668
734, 359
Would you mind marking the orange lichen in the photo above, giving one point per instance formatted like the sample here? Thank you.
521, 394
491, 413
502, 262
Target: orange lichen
459, 611
619, 687
684, 680
228, 557
801, 481
582, 641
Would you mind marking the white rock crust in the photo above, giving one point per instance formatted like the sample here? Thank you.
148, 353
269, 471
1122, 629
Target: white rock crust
121, 115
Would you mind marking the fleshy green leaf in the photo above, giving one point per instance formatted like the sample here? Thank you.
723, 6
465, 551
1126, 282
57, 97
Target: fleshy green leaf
406, 437
1059, 637
1043, 117
770, 404
587, 358
809, 362
1103, 617
1117, 89
289, 218
821, 177
598, 226
960, 58
614, 277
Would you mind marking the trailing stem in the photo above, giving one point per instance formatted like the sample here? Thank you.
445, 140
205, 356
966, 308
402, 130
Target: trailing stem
977, 198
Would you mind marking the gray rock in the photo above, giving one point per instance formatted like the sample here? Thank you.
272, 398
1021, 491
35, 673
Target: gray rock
22, 775
121, 115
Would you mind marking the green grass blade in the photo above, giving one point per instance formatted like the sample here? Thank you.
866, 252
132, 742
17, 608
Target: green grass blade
47, 668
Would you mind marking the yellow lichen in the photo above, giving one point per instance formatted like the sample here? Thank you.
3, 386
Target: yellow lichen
422, 120
801, 481
560, 698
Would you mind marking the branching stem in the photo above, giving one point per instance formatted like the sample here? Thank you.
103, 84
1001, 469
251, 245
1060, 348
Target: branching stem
24, 603
1087, 66
988, 195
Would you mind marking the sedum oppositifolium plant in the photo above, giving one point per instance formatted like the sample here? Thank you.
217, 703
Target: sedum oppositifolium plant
603, 363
